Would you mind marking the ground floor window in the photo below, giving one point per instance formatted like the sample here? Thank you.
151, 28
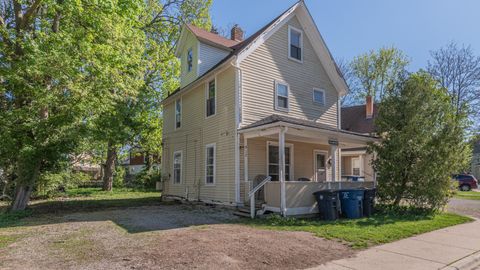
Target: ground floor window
273, 161
210, 153
177, 167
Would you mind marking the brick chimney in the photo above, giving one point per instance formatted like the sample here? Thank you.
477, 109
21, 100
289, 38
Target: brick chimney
369, 107
236, 33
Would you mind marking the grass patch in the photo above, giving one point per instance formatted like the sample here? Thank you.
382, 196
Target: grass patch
364, 232
6, 240
467, 195
82, 199
76, 246
13, 219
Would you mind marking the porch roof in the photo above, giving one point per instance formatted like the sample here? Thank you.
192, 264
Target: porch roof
278, 119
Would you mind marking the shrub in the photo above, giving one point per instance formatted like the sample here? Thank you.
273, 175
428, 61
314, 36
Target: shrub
146, 179
119, 177
52, 184
422, 144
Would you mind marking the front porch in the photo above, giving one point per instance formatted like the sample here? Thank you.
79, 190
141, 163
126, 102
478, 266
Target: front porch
300, 160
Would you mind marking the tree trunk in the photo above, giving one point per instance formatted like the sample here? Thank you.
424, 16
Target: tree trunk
400, 192
24, 185
109, 167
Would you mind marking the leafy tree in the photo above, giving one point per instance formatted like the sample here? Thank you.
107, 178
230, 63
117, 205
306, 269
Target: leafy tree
422, 143
374, 74
138, 121
457, 69
56, 60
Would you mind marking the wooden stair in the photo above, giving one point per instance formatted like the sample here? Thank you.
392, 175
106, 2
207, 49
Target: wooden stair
244, 211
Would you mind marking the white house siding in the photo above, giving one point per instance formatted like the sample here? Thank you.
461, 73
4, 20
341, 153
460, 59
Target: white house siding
209, 56
187, 77
270, 62
196, 132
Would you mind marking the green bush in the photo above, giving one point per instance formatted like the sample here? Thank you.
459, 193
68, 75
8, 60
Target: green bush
119, 177
422, 144
146, 179
53, 184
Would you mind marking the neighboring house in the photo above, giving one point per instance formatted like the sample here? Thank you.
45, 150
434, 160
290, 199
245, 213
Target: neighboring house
265, 105
136, 161
85, 163
476, 160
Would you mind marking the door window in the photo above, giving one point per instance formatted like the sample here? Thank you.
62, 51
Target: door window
320, 170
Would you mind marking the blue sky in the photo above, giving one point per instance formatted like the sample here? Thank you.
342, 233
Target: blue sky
352, 27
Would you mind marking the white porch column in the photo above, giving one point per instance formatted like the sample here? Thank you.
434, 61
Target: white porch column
333, 154
362, 166
245, 158
281, 170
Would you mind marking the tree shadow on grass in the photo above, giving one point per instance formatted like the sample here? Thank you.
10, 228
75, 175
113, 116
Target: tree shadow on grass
135, 215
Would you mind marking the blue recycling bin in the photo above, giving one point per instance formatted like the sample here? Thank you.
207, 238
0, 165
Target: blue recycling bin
352, 202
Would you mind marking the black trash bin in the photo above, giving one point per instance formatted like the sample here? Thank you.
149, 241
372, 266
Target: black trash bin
328, 204
369, 201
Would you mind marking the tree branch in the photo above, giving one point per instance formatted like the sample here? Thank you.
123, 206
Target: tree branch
30, 11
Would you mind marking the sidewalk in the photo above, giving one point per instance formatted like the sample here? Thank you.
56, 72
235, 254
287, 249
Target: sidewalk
456, 247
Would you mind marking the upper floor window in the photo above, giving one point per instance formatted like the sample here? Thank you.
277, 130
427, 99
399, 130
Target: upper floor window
189, 60
211, 98
319, 96
295, 44
210, 164
178, 113
281, 96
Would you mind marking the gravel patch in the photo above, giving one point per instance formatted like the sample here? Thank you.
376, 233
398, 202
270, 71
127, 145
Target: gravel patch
163, 237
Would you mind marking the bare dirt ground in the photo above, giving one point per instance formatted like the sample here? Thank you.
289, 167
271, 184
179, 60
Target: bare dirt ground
465, 207
161, 237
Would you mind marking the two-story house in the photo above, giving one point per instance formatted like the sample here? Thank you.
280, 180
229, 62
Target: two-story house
267, 105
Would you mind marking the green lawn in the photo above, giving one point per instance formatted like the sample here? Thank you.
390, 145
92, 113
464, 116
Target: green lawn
469, 195
365, 232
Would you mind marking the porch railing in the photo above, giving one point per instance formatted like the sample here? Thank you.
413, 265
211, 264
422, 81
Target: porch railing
252, 192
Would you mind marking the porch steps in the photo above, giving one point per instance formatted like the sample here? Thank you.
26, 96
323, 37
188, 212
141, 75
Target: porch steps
244, 211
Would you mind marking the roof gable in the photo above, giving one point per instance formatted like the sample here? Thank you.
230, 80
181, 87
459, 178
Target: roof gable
312, 33
242, 49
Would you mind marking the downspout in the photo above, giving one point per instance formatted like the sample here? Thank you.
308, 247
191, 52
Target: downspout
238, 108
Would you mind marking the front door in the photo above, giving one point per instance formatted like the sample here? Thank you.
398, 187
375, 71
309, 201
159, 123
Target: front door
320, 166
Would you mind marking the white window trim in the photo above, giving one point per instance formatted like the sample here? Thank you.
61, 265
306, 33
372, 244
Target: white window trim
206, 97
188, 50
313, 96
175, 113
289, 145
214, 145
315, 152
181, 167
290, 28
276, 96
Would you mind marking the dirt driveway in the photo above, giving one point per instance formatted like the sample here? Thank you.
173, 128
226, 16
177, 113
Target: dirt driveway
161, 237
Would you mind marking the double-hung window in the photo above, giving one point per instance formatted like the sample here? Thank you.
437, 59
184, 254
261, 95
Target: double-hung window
295, 44
210, 160
177, 167
281, 96
189, 60
178, 113
273, 164
211, 98
319, 96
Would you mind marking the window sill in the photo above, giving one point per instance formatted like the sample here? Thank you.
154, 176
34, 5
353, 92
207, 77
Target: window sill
296, 60
287, 110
